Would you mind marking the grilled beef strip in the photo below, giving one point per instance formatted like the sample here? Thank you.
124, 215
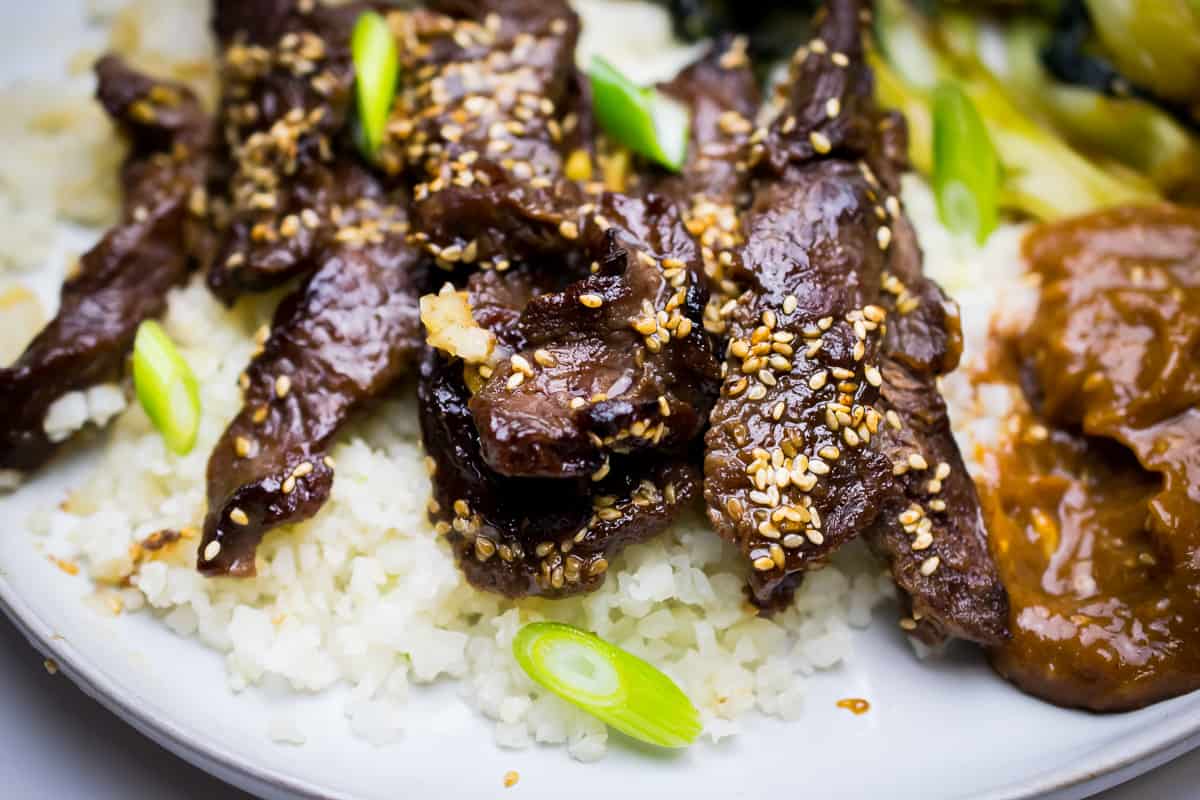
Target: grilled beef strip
830, 404
713, 187
550, 537
124, 279
491, 108
930, 529
287, 79
341, 340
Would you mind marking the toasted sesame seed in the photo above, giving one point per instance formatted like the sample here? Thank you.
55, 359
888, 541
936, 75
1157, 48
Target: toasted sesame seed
833, 107
241, 446
283, 385
942, 472
520, 364
591, 300
544, 358
820, 142
568, 229
908, 623
884, 237
917, 461
302, 469
873, 376
764, 563
239, 517
289, 485
893, 419
840, 59
817, 381
515, 380
930, 565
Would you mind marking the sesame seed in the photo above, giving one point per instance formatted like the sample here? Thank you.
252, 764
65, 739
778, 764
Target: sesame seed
820, 142
893, 419
241, 446
840, 59
817, 381
908, 623
515, 380
239, 517
930, 565
789, 304
917, 461
544, 358
283, 385
873, 376
289, 485
884, 237
568, 229
764, 563
591, 300
942, 472
212, 550
833, 107
521, 364
302, 469
818, 46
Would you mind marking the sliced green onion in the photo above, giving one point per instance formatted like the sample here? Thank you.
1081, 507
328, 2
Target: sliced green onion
605, 681
966, 169
376, 67
166, 387
644, 120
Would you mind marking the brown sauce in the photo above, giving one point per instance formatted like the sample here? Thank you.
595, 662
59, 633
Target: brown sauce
855, 705
1093, 499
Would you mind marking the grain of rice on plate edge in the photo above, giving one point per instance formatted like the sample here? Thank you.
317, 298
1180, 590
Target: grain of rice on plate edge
365, 595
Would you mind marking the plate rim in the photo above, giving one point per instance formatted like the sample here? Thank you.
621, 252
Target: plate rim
1111, 765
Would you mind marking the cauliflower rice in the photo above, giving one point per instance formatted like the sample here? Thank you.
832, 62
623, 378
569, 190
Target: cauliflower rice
364, 595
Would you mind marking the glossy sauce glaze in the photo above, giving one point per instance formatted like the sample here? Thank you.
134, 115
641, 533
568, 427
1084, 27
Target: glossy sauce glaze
1093, 500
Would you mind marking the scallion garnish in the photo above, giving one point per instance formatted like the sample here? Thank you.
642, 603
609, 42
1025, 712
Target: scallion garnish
376, 66
607, 682
966, 169
166, 387
644, 120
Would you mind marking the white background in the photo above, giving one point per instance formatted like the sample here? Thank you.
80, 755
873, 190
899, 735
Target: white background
57, 743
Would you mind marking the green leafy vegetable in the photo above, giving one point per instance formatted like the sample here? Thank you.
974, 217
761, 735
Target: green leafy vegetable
1041, 175
376, 68
166, 387
1125, 129
617, 687
966, 172
643, 120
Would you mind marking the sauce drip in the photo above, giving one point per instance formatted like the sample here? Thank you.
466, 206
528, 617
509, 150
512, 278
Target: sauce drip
855, 705
1093, 498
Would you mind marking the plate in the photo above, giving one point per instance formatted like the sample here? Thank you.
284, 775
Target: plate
943, 728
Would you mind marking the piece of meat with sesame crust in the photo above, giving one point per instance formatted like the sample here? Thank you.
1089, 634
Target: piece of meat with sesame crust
788, 477
830, 414
123, 279
550, 537
930, 529
720, 91
287, 78
616, 363
490, 104
340, 341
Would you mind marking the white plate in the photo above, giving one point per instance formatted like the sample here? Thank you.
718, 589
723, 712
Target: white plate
948, 728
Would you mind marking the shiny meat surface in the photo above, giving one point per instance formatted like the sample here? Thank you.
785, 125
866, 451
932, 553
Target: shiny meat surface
338, 342
713, 188
1094, 501
542, 536
286, 80
830, 395
123, 279
489, 108
617, 362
